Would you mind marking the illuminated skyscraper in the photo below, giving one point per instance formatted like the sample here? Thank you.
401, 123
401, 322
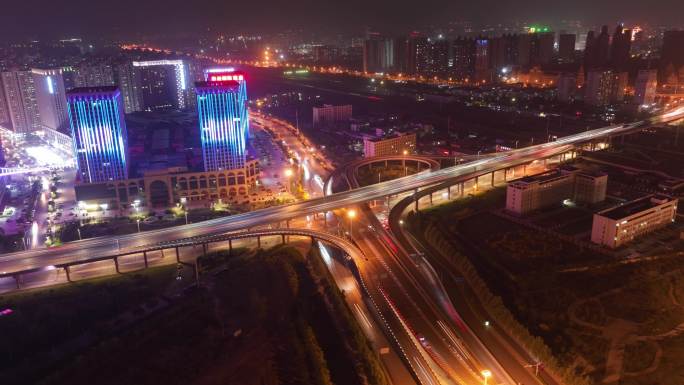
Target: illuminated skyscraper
223, 119
51, 98
98, 131
20, 96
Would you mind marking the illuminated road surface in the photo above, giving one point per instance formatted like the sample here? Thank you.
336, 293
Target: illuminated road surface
86, 249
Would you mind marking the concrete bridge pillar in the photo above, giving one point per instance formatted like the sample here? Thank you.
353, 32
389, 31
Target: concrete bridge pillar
230, 247
177, 255
145, 258
283, 238
116, 264
449, 192
204, 249
68, 273
258, 242
17, 280
492, 179
462, 188
430, 199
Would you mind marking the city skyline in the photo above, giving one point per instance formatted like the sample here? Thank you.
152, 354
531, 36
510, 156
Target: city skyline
100, 20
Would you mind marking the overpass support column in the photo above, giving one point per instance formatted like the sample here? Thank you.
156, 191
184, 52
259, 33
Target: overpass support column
283, 238
449, 192
430, 199
145, 258
524, 169
177, 255
492, 178
68, 273
462, 188
116, 264
230, 247
204, 249
325, 218
258, 242
17, 280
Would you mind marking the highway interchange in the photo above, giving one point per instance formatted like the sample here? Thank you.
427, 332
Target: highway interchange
406, 291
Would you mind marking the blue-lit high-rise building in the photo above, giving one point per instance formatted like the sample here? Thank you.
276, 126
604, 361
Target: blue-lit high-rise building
223, 119
98, 131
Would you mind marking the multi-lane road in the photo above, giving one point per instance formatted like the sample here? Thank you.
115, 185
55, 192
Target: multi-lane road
98, 247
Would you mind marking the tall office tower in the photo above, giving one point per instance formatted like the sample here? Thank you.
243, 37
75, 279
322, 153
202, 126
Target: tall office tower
510, 47
195, 73
463, 58
566, 86
223, 120
401, 54
645, 87
94, 75
162, 84
541, 48
128, 81
420, 47
20, 95
69, 77
524, 49
482, 71
4, 109
378, 53
566, 47
439, 57
604, 87
603, 47
620, 48
671, 56
98, 132
497, 54
51, 98
590, 51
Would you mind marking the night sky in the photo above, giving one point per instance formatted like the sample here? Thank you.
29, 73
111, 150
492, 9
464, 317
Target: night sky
93, 18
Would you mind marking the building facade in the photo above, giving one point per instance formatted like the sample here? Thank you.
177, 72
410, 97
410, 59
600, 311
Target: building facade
329, 114
223, 120
168, 187
604, 87
51, 98
98, 131
20, 96
622, 224
552, 188
645, 87
393, 145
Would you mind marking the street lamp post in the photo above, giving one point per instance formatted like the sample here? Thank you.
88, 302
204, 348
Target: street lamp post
137, 221
486, 374
351, 214
288, 174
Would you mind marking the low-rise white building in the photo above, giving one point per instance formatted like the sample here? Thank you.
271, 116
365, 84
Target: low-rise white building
553, 187
619, 225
